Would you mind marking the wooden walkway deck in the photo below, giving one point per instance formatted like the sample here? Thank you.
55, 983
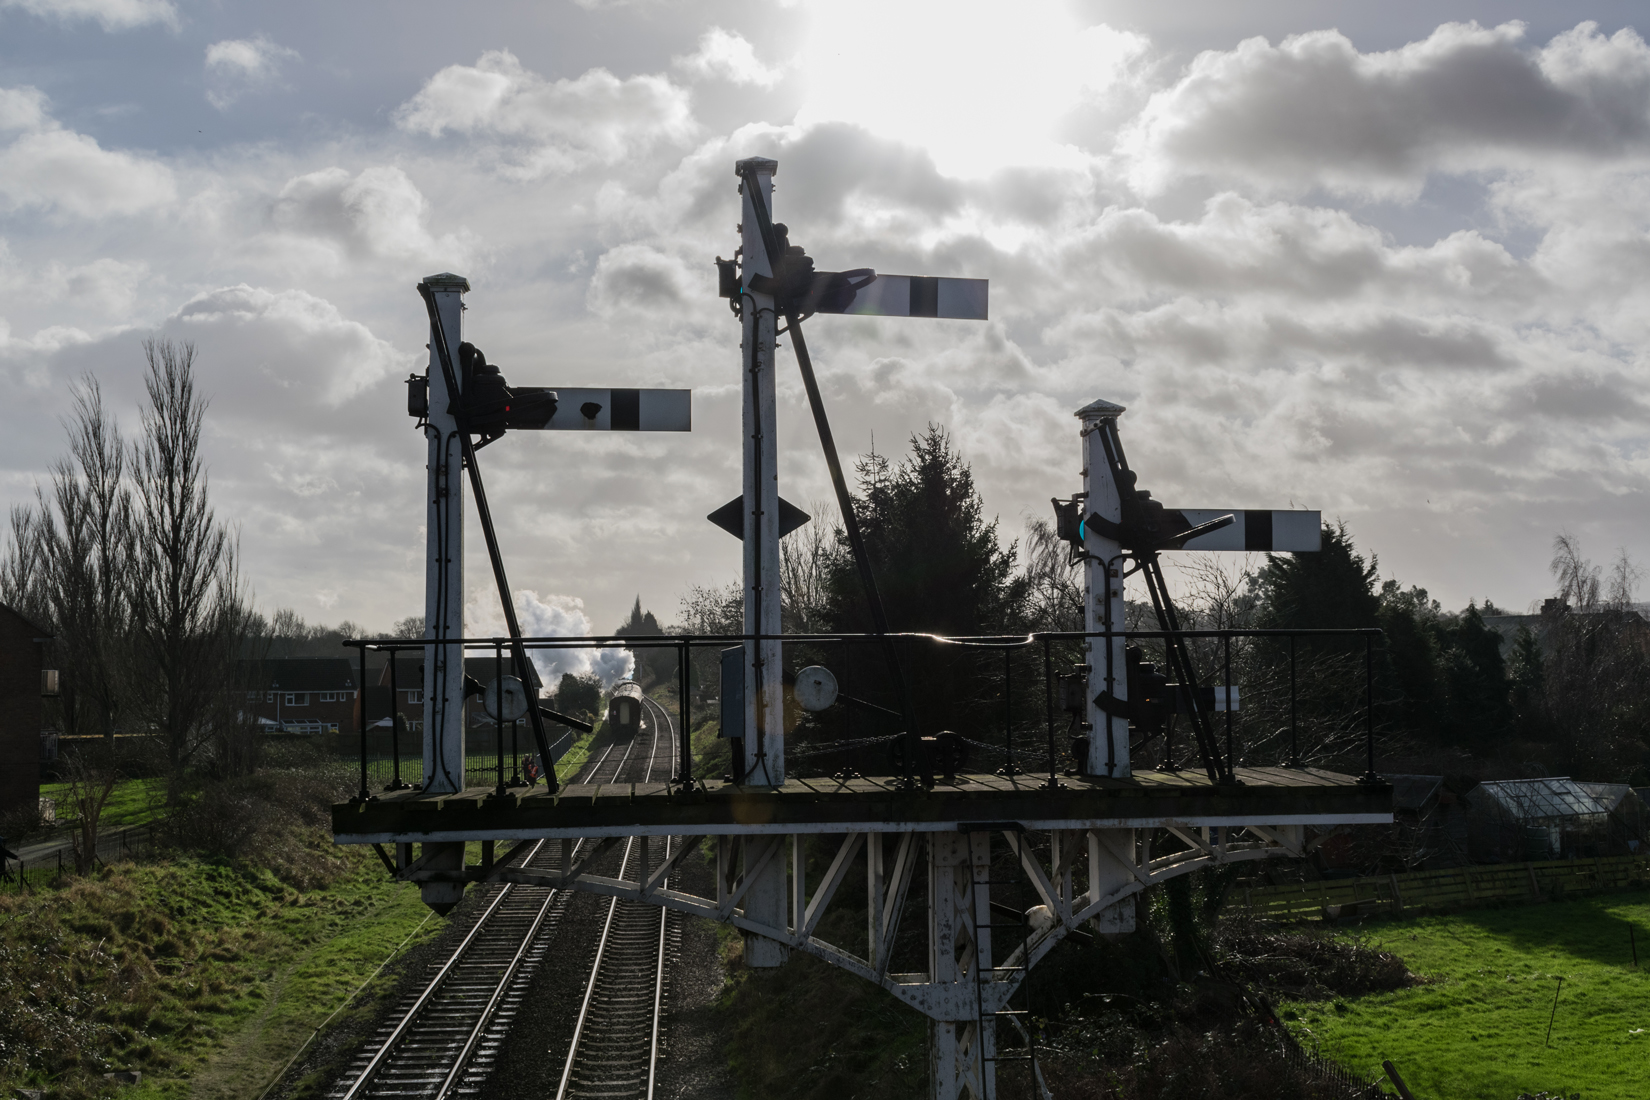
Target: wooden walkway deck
1266, 796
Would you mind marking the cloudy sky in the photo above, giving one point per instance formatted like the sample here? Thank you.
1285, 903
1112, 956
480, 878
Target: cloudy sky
1389, 261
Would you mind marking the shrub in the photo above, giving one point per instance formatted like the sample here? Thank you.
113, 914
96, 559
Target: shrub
274, 820
1307, 966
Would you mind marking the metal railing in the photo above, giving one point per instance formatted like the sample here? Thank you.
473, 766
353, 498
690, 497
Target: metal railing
113, 846
1341, 702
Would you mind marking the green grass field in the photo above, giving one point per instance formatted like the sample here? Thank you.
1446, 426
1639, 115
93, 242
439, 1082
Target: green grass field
132, 802
1477, 1029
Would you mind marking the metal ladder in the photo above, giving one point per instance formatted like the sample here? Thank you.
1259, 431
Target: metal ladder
1017, 1016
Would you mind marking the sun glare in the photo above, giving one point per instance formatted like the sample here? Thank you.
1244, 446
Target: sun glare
981, 85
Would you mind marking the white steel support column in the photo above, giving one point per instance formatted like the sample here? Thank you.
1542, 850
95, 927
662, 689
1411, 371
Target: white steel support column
444, 569
1103, 599
764, 741
961, 1042
1108, 874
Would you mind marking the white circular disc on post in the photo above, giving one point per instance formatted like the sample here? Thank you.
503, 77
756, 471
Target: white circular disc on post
511, 693
815, 688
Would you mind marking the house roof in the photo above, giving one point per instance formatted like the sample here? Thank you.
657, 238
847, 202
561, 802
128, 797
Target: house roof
1550, 798
409, 671
26, 621
299, 673
1414, 792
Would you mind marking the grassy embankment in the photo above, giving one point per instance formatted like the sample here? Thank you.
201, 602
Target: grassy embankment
1477, 1029
204, 976
205, 972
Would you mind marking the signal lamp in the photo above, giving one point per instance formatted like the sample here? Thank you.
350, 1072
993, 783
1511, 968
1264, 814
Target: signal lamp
418, 396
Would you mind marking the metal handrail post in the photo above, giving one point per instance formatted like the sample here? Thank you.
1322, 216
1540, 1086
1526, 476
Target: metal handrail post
361, 724
515, 756
498, 716
1008, 703
684, 736
1053, 763
395, 728
1369, 707
1048, 705
1294, 710
1231, 752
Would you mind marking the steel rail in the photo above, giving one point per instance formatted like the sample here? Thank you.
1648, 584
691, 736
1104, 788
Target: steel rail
381, 1058
592, 983
664, 922
377, 1061
462, 1062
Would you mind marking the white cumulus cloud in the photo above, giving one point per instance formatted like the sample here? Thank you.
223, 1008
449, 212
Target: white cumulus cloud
53, 168
300, 346
22, 108
240, 65
1313, 110
552, 126
726, 55
114, 15
377, 212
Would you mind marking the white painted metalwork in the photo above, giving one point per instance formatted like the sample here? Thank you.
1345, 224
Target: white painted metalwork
444, 558
1103, 605
1081, 877
763, 743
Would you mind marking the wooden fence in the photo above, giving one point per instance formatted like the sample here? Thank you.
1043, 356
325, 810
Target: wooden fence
1450, 888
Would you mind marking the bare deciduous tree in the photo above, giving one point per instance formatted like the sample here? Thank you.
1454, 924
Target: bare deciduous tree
91, 781
1596, 665
86, 529
22, 568
1054, 581
804, 563
189, 611
69, 566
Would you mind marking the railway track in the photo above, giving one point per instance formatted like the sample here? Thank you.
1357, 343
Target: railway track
445, 1040
614, 1053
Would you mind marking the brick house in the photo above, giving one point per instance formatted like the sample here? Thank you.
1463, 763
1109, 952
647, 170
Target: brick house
409, 686
301, 694
409, 690
23, 647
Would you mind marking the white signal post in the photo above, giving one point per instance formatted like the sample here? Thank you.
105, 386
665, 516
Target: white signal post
1254, 530
444, 559
764, 725
1103, 605
763, 743
601, 409
862, 292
